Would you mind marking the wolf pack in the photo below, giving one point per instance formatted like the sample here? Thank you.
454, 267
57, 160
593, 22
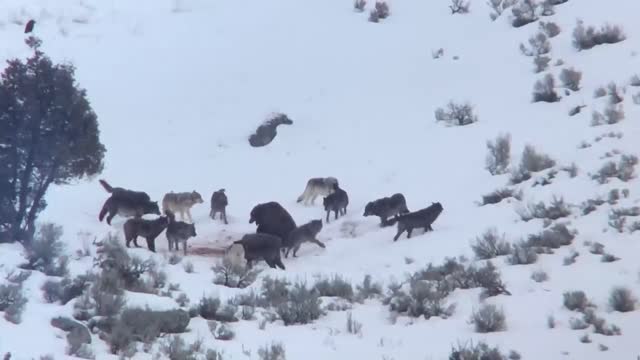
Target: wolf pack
276, 234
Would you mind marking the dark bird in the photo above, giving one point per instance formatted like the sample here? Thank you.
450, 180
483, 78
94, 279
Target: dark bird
29, 27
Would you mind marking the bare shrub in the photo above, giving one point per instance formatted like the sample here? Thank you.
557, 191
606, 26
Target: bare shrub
544, 90
499, 195
519, 175
615, 97
524, 12
607, 258
557, 209
572, 170
490, 245
556, 236
623, 170
600, 325
301, 307
368, 289
622, 299
636, 98
571, 78
210, 309
576, 301
353, 326
65, 290
585, 339
174, 259
499, 155
522, 254
540, 63
221, 331
274, 351
234, 275
480, 351
380, 11
539, 276
585, 38
498, 7
551, 322
612, 114
571, 258
336, 286
550, 29
12, 302
45, 251
577, 324
175, 348
533, 161
359, 5
538, 45
596, 248
634, 80
188, 267
459, 7
456, 114
599, 92
489, 318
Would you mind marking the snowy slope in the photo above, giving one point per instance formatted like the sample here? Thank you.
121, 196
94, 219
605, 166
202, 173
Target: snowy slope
178, 92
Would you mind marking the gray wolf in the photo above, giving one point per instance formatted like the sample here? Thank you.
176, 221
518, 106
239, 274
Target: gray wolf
179, 231
181, 203
302, 234
273, 219
266, 132
418, 219
336, 202
126, 203
148, 229
262, 247
219, 204
386, 207
317, 187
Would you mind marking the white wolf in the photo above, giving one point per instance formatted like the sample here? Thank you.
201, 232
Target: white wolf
317, 187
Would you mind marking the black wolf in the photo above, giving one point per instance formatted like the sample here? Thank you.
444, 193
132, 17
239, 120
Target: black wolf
262, 247
148, 229
336, 202
179, 231
219, 204
418, 219
273, 219
126, 203
302, 234
386, 207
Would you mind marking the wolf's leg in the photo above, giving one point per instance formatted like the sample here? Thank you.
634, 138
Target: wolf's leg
224, 216
286, 251
400, 231
318, 242
280, 264
135, 241
295, 249
409, 231
110, 217
151, 244
328, 212
189, 215
336, 211
313, 198
429, 228
184, 246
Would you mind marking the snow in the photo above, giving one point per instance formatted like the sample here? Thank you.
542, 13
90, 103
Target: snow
177, 94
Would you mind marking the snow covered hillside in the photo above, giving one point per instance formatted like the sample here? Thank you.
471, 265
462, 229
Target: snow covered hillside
179, 85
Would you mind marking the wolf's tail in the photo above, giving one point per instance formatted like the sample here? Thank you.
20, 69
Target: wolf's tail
106, 185
104, 210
